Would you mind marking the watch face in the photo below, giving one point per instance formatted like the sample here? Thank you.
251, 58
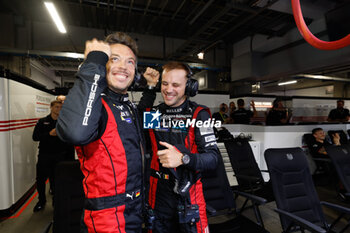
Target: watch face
186, 159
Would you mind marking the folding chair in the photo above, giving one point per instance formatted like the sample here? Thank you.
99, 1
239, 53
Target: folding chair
220, 200
247, 172
340, 156
297, 202
69, 198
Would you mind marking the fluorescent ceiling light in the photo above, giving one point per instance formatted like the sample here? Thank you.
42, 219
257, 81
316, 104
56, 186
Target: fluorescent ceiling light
200, 55
55, 17
321, 77
287, 83
75, 55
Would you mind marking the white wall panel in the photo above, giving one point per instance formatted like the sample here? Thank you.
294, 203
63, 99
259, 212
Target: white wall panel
21, 107
6, 194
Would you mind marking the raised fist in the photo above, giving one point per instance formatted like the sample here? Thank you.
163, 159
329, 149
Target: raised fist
97, 45
152, 76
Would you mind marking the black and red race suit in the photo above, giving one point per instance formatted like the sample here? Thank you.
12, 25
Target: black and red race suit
105, 128
164, 184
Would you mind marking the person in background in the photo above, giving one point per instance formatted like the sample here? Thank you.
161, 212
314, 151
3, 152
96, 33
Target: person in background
51, 151
317, 147
278, 115
232, 108
105, 126
221, 115
339, 114
242, 115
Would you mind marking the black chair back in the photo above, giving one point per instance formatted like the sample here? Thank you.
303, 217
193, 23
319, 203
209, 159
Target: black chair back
220, 197
292, 185
244, 164
307, 139
340, 156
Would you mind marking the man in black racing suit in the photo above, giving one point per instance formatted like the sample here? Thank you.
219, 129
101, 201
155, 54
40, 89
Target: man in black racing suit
180, 153
104, 125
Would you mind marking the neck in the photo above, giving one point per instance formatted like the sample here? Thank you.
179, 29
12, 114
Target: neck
181, 102
118, 91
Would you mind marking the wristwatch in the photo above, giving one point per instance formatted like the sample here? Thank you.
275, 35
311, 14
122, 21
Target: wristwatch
149, 87
186, 159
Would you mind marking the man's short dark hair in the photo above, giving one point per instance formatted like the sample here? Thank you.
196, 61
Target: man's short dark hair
122, 38
275, 102
55, 102
315, 130
340, 101
240, 102
172, 65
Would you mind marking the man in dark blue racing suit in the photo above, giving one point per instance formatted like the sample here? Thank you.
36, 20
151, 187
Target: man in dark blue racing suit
183, 145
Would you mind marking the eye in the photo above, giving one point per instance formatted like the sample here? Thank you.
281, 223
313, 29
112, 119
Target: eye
164, 83
131, 63
114, 59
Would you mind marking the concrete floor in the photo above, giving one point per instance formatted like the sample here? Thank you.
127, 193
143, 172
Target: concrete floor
29, 222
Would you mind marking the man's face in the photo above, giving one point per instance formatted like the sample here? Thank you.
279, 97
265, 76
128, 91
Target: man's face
340, 104
280, 104
223, 108
320, 135
173, 87
56, 108
120, 68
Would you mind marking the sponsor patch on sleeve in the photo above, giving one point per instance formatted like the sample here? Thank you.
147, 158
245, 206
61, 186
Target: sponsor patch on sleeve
206, 130
210, 138
210, 144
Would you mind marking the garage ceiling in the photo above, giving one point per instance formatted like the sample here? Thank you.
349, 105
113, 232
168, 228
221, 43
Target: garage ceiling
202, 24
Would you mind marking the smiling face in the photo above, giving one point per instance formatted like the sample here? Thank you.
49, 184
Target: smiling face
319, 135
173, 87
55, 109
120, 68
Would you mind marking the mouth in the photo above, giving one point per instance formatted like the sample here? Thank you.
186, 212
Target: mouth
120, 75
169, 96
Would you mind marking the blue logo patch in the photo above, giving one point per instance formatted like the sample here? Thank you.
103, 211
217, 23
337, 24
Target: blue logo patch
128, 120
151, 120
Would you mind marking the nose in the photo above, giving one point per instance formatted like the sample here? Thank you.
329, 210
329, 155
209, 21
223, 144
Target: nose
121, 64
168, 89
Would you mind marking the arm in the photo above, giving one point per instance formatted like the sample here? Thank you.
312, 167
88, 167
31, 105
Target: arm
254, 110
205, 159
331, 116
39, 132
285, 117
79, 118
316, 149
149, 94
336, 139
322, 150
207, 156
